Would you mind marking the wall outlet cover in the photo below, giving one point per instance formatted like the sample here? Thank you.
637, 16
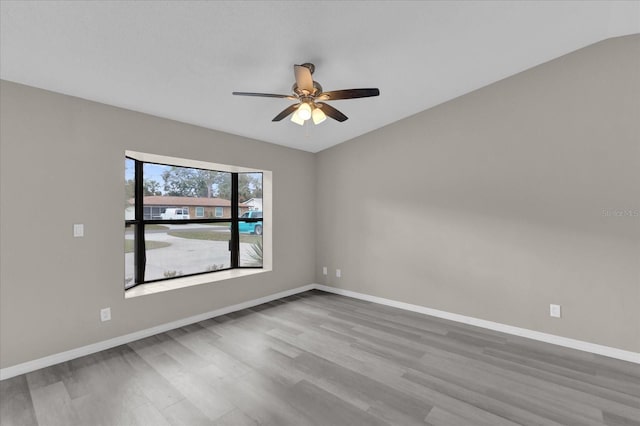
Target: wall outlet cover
555, 311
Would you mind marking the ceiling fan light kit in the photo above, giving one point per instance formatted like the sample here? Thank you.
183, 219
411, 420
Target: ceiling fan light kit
308, 92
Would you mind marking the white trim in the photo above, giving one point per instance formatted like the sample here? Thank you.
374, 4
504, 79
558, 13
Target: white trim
36, 364
509, 329
188, 281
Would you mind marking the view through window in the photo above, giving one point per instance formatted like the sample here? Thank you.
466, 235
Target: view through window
182, 221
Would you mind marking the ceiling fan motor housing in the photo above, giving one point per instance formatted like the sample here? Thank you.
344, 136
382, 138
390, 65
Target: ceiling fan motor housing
317, 89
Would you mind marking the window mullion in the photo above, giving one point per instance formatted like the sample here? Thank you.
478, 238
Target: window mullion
140, 256
235, 234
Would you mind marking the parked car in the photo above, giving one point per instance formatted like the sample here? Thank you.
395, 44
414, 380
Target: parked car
251, 227
175, 213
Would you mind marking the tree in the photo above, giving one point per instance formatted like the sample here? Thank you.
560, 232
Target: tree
151, 187
221, 185
247, 187
256, 184
184, 182
129, 191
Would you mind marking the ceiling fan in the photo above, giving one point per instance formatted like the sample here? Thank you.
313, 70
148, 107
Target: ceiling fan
309, 97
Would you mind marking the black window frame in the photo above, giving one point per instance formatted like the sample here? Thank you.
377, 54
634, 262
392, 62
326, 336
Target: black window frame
139, 222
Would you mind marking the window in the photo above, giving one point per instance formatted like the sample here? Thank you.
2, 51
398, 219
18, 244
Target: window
163, 241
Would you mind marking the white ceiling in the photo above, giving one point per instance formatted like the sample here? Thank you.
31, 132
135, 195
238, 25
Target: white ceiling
182, 59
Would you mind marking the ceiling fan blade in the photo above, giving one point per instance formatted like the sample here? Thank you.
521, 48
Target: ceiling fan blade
288, 110
303, 78
332, 112
265, 95
334, 95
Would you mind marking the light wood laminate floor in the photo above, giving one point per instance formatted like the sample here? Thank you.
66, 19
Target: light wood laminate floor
323, 359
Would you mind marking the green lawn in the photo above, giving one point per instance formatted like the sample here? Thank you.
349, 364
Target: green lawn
149, 245
213, 236
225, 224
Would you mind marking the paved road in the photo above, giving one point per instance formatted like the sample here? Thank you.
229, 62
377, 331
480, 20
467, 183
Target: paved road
190, 227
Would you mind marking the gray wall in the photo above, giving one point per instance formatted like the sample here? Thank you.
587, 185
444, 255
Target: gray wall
62, 162
491, 205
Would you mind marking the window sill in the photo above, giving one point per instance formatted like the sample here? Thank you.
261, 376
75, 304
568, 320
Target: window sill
160, 286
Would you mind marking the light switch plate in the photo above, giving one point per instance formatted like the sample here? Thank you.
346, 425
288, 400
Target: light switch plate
105, 314
78, 230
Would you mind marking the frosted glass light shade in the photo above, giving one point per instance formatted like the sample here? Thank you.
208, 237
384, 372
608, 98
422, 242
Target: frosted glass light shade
318, 116
297, 119
304, 111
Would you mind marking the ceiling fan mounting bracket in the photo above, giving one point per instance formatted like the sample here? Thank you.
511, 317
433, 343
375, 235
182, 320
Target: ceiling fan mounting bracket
310, 66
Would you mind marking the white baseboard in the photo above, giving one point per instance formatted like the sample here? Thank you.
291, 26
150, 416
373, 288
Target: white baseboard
523, 332
36, 364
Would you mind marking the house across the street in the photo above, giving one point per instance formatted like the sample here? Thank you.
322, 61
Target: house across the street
199, 208
253, 204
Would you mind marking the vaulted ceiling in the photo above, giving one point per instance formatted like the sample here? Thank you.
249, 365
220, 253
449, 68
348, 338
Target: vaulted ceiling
182, 60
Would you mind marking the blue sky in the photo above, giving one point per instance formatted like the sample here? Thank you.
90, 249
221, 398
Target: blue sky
151, 171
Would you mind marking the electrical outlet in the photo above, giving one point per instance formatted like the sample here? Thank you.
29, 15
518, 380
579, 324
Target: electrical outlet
105, 314
78, 230
555, 311
338, 273
324, 270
